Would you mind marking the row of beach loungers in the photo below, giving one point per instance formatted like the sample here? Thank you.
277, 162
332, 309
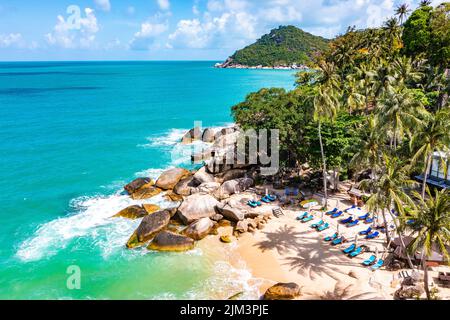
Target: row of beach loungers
353, 250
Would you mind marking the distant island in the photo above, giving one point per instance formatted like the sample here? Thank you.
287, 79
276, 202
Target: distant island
287, 47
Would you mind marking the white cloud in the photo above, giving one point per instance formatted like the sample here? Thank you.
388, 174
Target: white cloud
164, 4
103, 5
11, 40
145, 37
78, 33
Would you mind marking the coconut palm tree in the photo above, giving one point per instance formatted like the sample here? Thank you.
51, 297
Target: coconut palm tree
399, 113
388, 191
326, 104
406, 70
433, 136
402, 11
425, 3
431, 225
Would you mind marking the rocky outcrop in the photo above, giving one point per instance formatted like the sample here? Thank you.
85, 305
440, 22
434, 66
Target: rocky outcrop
192, 135
283, 291
134, 185
186, 187
409, 292
242, 226
230, 213
172, 196
169, 179
149, 227
201, 176
171, 241
196, 207
233, 174
233, 186
132, 212
209, 187
208, 135
199, 229
145, 192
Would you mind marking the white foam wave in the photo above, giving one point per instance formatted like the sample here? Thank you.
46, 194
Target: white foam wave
170, 138
93, 219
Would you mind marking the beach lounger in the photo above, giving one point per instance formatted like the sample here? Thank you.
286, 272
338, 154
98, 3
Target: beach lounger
366, 232
265, 199
351, 208
252, 204
349, 249
356, 252
332, 211
353, 223
364, 217
372, 235
271, 197
337, 214
307, 219
377, 265
302, 216
323, 227
337, 241
368, 220
370, 261
331, 238
345, 221
317, 224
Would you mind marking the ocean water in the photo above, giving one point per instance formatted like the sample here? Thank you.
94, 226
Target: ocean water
71, 135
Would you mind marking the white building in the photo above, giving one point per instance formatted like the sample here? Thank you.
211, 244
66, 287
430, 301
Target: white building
439, 175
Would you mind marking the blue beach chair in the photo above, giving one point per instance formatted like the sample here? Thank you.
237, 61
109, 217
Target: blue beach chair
349, 249
348, 209
331, 238
369, 261
317, 224
252, 204
356, 252
377, 265
372, 235
308, 219
337, 241
353, 223
337, 214
332, 211
345, 221
368, 220
365, 232
364, 217
302, 216
271, 197
323, 227
265, 199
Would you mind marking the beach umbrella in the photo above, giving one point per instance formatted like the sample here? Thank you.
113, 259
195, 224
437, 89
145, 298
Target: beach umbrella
321, 215
337, 229
337, 204
356, 239
376, 252
267, 192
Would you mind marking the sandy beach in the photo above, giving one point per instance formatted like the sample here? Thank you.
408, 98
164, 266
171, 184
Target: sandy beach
287, 250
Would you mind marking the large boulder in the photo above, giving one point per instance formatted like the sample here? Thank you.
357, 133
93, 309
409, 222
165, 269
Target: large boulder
199, 229
171, 241
233, 174
208, 135
201, 176
233, 186
185, 187
230, 213
169, 179
136, 184
409, 292
132, 212
149, 227
282, 291
196, 207
145, 192
208, 187
192, 135
151, 208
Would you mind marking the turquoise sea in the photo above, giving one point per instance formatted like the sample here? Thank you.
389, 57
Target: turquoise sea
71, 135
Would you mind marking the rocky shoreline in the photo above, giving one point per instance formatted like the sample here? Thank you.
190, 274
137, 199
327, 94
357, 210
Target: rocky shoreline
229, 64
203, 200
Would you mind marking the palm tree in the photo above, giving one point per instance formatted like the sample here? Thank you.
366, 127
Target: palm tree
393, 33
369, 152
433, 136
425, 3
431, 228
388, 191
406, 70
383, 79
326, 103
399, 113
402, 11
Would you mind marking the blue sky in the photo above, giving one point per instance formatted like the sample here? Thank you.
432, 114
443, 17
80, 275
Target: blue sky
167, 29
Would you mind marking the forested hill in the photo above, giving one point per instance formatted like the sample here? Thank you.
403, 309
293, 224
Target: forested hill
285, 46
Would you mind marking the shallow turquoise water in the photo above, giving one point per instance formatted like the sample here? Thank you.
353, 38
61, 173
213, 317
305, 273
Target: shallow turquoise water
71, 134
